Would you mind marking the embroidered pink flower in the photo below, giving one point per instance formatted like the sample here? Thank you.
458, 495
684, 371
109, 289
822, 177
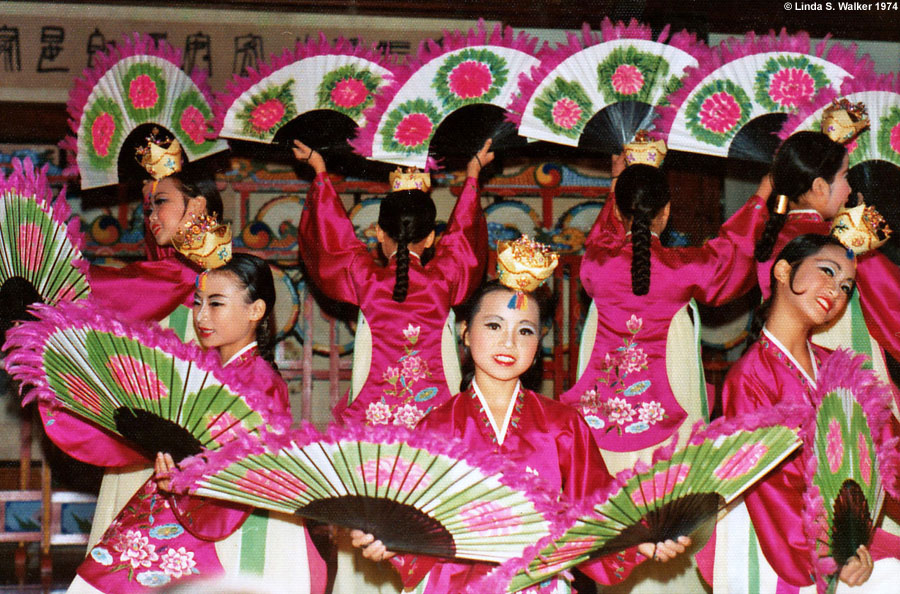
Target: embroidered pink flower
136, 377
391, 375
720, 112
895, 138
224, 427
394, 473
566, 113
865, 461
489, 518
136, 550
412, 333
633, 359
651, 412
470, 79
378, 413
349, 92
81, 392
619, 411
627, 79
102, 131
177, 562
408, 415
414, 368
267, 114
791, 87
634, 324
30, 244
834, 449
142, 92
194, 124
741, 462
275, 482
413, 130
590, 402
661, 484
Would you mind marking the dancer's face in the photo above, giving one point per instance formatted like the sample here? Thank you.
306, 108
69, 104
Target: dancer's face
166, 208
821, 288
503, 341
224, 316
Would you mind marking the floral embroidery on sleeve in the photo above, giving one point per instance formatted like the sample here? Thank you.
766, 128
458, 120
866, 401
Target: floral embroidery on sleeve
397, 403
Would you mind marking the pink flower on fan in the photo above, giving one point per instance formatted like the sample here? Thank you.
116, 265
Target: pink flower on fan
489, 518
651, 412
865, 462
895, 138
81, 392
194, 124
349, 92
177, 562
394, 473
720, 112
834, 449
30, 244
414, 368
102, 131
378, 413
412, 333
269, 482
634, 324
627, 79
413, 129
267, 114
224, 427
136, 377
470, 79
136, 550
661, 484
741, 462
142, 92
566, 113
634, 359
408, 415
791, 87
619, 411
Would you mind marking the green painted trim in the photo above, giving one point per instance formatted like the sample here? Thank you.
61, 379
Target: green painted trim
752, 563
253, 543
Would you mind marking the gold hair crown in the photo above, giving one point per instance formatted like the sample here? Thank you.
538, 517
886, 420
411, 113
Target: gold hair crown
644, 150
523, 264
410, 179
842, 121
204, 241
861, 228
161, 157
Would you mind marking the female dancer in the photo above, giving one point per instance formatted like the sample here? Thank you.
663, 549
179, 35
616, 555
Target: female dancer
158, 538
497, 414
812, 281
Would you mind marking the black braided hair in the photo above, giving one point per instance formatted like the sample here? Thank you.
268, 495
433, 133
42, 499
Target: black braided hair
255, 275
801, 159
641, 194
794, 253
406, 216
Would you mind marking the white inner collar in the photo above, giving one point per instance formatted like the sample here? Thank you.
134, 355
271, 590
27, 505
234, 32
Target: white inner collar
240, 352
500, 432
812, 357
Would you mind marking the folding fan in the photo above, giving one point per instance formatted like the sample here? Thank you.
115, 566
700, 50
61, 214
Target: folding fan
40, 250
852, 464
415, 494
316, 75
621, 73
465, 69
137, 81
135, 380
670, 498
748, 79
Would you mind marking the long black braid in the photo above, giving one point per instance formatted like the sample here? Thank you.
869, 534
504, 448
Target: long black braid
641, 194
406, 216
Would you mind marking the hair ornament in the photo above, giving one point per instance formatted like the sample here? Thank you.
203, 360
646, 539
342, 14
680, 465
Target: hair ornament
524, 265
160, 156
781, 204
204, 241
860, 229
410, 179
843, 121
644, 150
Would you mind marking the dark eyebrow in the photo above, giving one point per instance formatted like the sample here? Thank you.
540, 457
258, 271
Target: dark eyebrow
836, 265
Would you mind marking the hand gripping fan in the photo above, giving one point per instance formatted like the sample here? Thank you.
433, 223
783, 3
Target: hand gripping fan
850, 464
670, 498
341, 79
600, 89
135, 380
416, 494
137, 81
40, 249
466, 69
733, 104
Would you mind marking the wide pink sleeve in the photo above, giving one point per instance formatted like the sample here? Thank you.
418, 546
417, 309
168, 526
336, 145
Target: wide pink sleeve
85, 441
330, 249
413, 568
878, 280
147, 291
462, 250
208, 519
607, 228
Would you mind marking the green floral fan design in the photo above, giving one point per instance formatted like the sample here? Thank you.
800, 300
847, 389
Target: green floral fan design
889, 136
409, 127
786, 82
193, 113
349, 90
469, 77
564, 107
414, 498
104, 125
671, 498
145, 87
267, 111
717, 112
629, 74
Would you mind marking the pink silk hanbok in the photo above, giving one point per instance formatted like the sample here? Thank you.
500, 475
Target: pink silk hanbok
547, 439
766, 376
624, 393
406, 378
